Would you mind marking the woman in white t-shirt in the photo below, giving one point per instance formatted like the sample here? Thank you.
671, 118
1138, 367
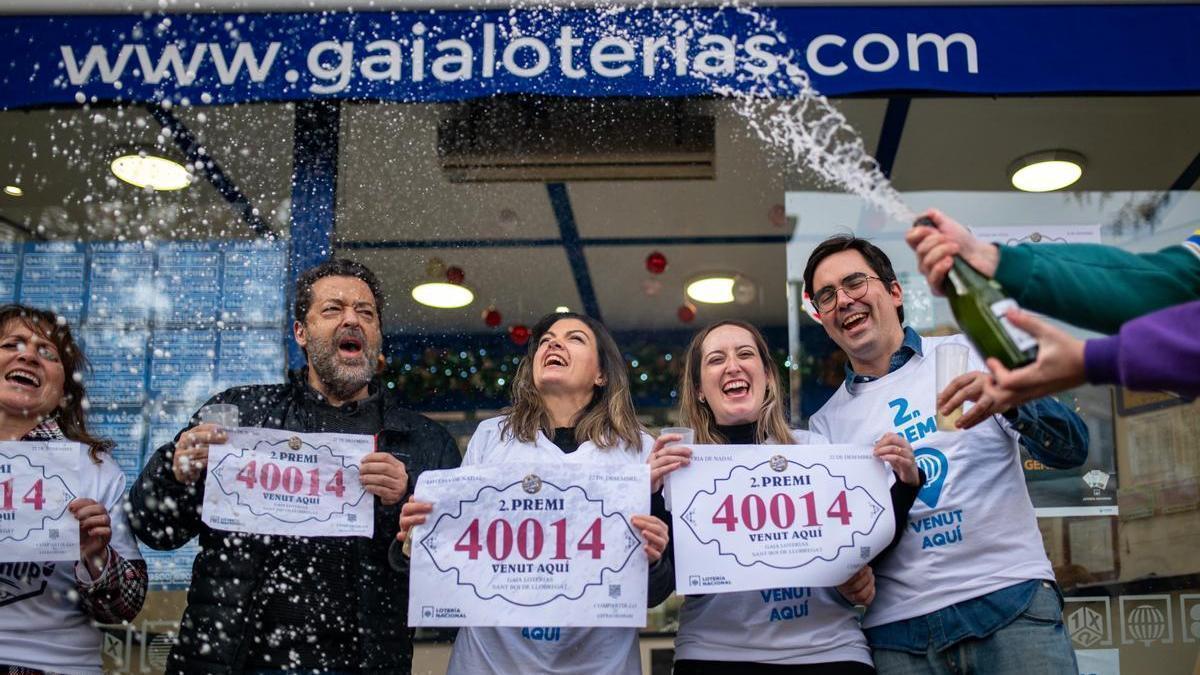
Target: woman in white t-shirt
730, 393
48, 608
570, 403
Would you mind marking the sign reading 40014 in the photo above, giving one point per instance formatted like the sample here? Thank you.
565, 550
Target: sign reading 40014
781, 500
757, 517
290, 480
561, 540
529, 539
269, 481
782, 513
530, 543
33, 496
36, 479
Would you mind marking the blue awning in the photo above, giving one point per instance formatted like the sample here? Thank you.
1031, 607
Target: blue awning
456, 55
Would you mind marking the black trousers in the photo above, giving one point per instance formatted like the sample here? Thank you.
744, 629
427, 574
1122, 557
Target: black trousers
692, 667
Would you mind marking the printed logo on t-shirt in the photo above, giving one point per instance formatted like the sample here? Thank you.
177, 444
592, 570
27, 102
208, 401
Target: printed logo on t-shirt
935, 466
23, 580
940, 528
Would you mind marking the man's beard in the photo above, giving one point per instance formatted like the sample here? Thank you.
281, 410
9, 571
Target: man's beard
341, 379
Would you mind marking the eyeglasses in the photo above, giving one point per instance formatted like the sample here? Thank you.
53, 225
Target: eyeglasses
855, 287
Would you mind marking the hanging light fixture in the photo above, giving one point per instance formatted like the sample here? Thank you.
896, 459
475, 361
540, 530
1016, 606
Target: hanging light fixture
145, 170
1046, 171
713, 289
443, 295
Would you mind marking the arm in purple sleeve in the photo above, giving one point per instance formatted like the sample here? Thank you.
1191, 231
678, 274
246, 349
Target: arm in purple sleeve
1156, 351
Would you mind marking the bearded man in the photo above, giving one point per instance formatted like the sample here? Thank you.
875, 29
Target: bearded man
291, 603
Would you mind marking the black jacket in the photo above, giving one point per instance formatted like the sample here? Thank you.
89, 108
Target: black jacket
231, 567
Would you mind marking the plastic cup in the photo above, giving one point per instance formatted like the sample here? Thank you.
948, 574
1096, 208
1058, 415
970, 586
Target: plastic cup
951, 363
689, 437
224, 415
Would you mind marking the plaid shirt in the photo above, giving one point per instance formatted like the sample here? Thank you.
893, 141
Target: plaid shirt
117, 595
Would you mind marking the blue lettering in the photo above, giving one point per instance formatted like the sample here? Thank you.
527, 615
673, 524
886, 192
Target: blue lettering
902, 415
781, 594
940, 519
929, 426
789, 612
546, 634
942, 538
910, 434
919, 430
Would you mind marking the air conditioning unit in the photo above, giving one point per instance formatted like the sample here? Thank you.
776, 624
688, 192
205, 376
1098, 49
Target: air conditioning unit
546, 140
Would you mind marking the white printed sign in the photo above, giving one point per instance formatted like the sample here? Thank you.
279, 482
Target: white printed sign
1092, 489
755, 517
37, 481
1098, 661
268, 481
1011, 235
522, 544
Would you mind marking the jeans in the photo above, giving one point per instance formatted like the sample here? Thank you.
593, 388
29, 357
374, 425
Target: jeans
1035, 643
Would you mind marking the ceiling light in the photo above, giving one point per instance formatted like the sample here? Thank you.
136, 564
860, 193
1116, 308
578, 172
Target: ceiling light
562, 309
150, 171
1046, 171
443, 295
13, 191
714, 289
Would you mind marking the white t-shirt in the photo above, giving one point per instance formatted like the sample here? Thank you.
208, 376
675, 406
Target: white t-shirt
972, 529
545, 649
780, 625
41, 627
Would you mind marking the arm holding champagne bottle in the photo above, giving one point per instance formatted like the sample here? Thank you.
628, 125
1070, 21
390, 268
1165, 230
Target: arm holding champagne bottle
1048, 431
1063, 280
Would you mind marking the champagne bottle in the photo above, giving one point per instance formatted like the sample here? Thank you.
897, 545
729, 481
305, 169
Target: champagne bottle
979, 306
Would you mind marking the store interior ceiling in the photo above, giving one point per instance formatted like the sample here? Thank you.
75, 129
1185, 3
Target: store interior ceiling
527, 247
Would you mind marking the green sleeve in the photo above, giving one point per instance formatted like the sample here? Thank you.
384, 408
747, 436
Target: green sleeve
1094, 286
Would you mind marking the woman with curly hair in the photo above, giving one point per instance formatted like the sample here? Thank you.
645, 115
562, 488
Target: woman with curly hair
48, 609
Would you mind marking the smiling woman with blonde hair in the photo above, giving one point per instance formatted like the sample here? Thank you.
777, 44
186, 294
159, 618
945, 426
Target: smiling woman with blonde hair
695, 412
731, 394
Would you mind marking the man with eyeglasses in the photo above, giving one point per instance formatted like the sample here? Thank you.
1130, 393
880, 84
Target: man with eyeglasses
968, 588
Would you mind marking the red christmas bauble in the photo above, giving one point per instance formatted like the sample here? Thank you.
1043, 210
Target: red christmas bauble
686, 312
777, 215
491, 317
455, 274
656, 263
519, 334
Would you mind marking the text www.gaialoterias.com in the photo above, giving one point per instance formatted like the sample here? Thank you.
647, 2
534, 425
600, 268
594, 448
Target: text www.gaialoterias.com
331, 66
